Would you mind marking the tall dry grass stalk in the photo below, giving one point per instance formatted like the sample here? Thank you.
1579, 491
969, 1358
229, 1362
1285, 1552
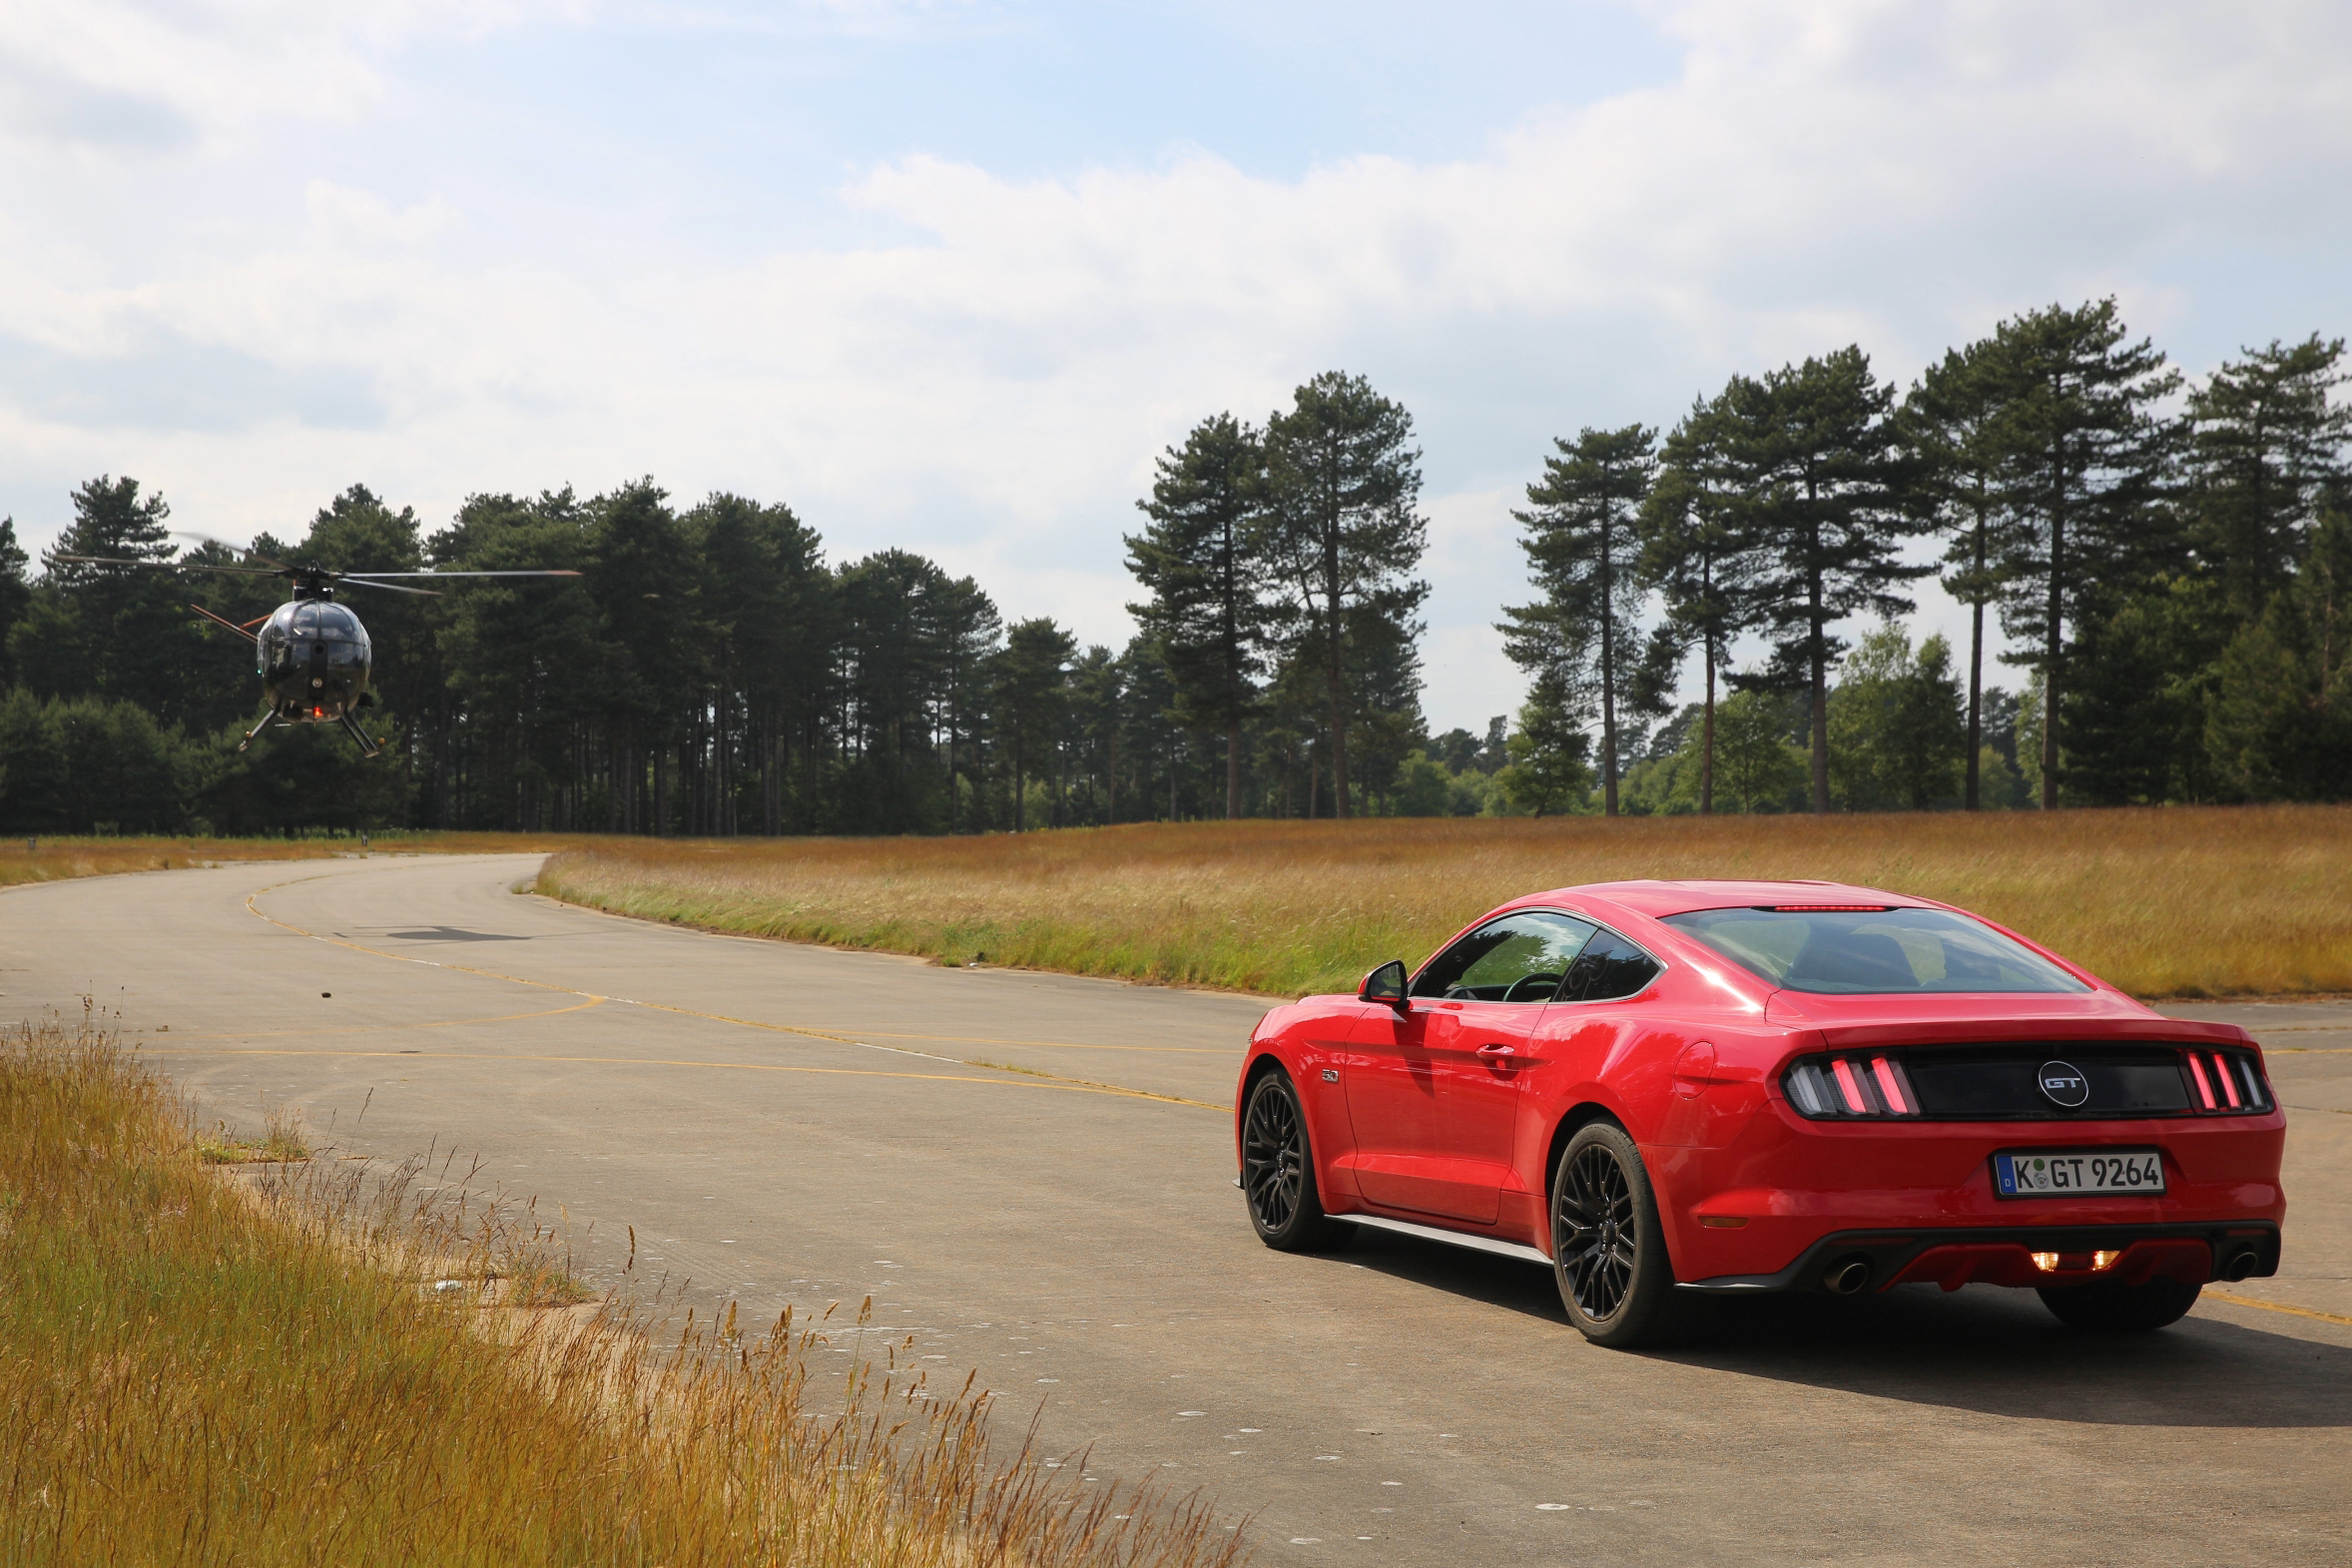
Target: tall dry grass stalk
2162, 902
322, 1364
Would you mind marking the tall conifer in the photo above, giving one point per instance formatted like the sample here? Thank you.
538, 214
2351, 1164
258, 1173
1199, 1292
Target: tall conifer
1579, 536
1206, 607
2082, 463
1810, 453
1341, 533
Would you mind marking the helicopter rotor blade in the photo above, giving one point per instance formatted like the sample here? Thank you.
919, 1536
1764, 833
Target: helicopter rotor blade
395, 588
168, 566
359, 577
240, 549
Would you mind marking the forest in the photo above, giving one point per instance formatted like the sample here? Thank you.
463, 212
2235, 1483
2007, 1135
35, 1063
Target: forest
2164, 557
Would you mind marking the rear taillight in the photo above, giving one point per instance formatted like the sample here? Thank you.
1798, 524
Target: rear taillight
2224, 1083
1851, 1086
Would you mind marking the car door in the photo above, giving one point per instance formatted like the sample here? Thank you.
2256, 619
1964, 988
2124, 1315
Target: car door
1434, 1086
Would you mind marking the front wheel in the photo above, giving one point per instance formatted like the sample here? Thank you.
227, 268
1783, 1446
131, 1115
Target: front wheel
2108, 1307
1278, 1172
1608, 1250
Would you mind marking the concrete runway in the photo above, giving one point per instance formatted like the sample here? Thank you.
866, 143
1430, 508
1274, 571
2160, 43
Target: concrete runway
792, 1124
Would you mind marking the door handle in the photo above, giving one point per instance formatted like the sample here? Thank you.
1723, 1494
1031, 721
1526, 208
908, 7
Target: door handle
1497, 1048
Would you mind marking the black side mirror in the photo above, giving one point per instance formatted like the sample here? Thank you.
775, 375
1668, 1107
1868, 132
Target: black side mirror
1384, 984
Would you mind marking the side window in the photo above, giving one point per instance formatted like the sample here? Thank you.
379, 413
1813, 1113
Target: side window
1518, 958
1608, 968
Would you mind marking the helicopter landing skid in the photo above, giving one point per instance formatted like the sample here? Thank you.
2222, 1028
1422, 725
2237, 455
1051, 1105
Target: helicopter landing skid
367, 748
268, 720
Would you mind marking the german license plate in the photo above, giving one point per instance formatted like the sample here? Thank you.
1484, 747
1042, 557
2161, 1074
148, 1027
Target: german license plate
2073, 1173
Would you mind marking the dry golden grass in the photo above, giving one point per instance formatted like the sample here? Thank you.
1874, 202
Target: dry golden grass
2162, 902
304, 1363
57, 858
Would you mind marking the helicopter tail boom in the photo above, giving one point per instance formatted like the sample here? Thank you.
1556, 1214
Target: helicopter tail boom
221, 620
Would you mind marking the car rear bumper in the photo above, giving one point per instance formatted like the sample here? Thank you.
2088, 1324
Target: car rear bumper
2007, 1255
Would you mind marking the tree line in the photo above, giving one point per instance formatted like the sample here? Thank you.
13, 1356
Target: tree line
709, 672
2171, 561
2163, 557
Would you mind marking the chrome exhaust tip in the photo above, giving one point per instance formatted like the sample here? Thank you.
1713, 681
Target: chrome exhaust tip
2241, 1264
1847, 1277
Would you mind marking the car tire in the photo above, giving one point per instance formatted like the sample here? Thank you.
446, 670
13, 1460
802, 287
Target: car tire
2108, 1307
1609, 1250
1277, 1173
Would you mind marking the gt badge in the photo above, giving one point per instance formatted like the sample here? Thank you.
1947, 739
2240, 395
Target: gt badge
2063, 1084
1330, 1075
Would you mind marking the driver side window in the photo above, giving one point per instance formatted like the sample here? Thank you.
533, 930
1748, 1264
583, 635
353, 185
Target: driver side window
1518, 958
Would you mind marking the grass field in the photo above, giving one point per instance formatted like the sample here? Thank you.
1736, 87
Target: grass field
284, 1364
2162, 902
51, 859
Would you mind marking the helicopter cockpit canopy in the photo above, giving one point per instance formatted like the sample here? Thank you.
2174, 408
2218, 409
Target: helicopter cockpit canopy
291, 636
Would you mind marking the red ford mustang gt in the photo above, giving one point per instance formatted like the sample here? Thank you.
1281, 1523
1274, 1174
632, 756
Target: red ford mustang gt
1670, 1089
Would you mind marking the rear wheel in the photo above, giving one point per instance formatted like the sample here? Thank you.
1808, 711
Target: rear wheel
2108, 1307
1609, 1250
1278, 1172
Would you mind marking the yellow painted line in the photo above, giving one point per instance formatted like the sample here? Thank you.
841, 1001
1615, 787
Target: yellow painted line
430, 1023
662, 1007
940, 1039
2277, 1306
1056, 1045
1011, 1081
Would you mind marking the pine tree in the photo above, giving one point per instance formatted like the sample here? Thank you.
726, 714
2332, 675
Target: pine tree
1030, 699
2265, 446
1341, 533
16, 596
1205, 608
2278, 720
1693, 554
1580, 541
2082, 461
1810, 455
645, 583
1949, 427
116, 632
969, 630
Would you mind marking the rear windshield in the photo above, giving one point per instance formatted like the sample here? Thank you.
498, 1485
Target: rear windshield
1873, 951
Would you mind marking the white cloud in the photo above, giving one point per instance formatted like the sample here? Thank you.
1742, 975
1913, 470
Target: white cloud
992, 387
132, 75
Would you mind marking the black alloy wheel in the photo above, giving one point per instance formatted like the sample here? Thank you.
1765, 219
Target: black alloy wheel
1278, 1172
1608, 1250
2108, 1307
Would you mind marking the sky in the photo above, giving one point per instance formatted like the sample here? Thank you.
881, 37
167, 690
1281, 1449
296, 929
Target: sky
947, 275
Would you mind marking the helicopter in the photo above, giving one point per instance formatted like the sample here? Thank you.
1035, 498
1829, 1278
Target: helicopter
311, 653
